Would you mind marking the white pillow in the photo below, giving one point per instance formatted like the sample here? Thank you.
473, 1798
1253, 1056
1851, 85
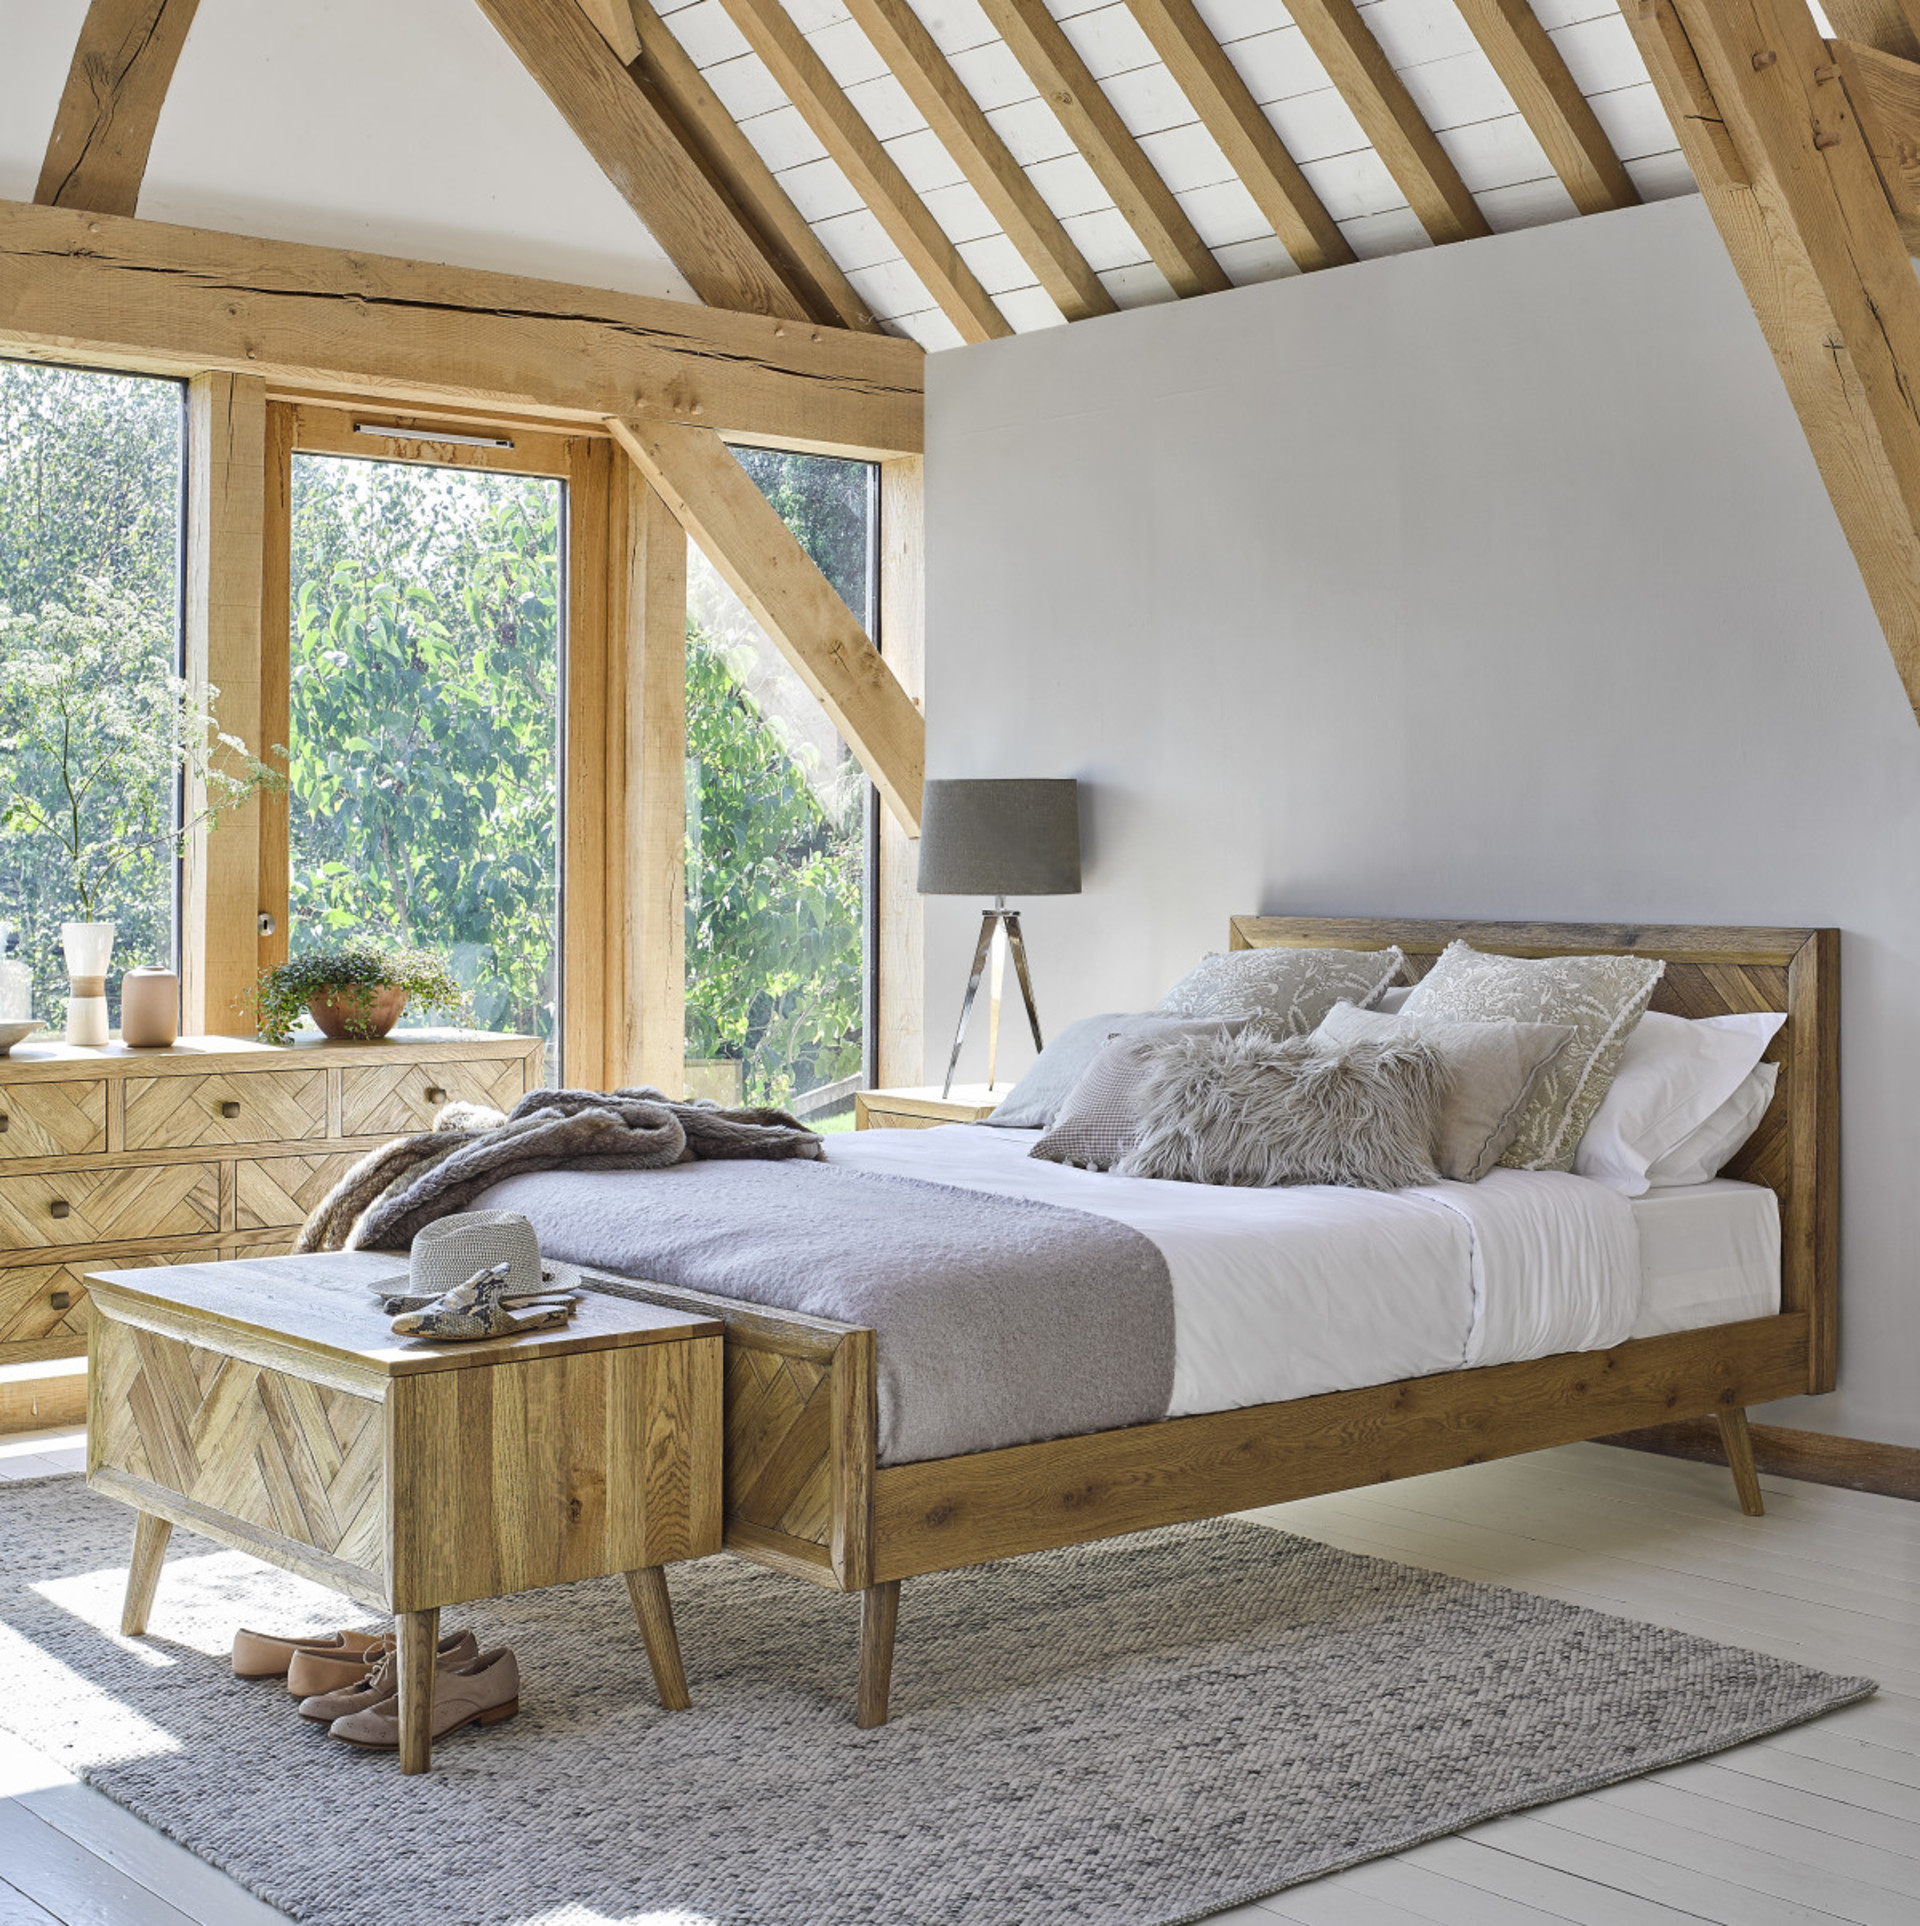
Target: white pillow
1701, 1156
1675, 1075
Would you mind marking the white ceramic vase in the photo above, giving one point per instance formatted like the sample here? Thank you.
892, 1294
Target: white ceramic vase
89, 948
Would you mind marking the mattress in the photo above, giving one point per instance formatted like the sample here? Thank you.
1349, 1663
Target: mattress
1288, 1293
1709, 1254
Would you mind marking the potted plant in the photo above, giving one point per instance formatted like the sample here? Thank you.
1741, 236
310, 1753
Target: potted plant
95, 737
357, 989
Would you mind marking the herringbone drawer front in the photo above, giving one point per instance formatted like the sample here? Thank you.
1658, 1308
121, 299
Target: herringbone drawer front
269, 1192
109, 1206
35, 1322
387, 1100
52, 1120
257, 1107
274, 1451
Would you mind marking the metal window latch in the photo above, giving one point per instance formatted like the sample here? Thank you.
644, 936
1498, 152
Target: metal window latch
267, 925
229, 1109
59, 1208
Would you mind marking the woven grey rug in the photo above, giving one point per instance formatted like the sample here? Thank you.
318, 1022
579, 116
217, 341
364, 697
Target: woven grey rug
1136, 1733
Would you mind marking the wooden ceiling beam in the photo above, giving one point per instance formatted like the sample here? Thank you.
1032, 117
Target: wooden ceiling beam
717, 502
1145, 201
1766, 125
311, 319
1228, 111
1884, 91
1358, 67
713, 137
103, 132
1551, 103
724, 260
1889, 26
965, 132
856, 150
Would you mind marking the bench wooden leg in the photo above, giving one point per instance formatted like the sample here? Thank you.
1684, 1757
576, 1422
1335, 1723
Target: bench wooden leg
879, 1612
653, 1608
419, 1634
1738, 1443
150, 1535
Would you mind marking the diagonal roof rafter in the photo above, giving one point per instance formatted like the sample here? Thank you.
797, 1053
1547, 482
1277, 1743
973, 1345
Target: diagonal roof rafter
122, 67
1146, 203
858, 152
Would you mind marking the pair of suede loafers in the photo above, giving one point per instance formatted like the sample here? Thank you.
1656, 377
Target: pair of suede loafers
350, 1681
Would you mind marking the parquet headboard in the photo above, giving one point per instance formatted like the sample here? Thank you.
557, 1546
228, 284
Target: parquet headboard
1710, 972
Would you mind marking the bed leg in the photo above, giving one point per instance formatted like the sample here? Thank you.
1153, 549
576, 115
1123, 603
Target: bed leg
1738, 1444
879, 1611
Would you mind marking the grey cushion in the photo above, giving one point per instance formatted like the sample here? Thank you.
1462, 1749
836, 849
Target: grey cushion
1602, 997
1034, 1101
1285, 991
1100, 1117
1259, 1110
1492, 1070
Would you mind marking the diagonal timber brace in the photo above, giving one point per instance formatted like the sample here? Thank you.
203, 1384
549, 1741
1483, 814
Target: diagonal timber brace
714, 499
1765, 118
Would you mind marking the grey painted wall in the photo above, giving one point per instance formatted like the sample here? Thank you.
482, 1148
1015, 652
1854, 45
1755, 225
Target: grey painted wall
1489, 581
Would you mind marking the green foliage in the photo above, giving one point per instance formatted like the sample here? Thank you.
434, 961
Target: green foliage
95, 730
425, 721
354, 972
776, 816
775, 880
90, 492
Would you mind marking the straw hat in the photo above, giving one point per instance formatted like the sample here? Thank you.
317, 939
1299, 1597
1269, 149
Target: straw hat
449, 1251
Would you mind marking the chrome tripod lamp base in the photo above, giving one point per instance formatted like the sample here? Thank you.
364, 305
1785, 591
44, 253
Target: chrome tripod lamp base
999, 933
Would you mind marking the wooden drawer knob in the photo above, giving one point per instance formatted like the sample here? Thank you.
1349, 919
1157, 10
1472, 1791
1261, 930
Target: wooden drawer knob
435, 1094
230, 1109
60, 1300
59, 1208
6, 1123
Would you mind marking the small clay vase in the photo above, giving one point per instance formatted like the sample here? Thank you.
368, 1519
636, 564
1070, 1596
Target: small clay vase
342, 1015
149, 1009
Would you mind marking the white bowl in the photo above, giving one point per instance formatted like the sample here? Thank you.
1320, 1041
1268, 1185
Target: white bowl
11, 1033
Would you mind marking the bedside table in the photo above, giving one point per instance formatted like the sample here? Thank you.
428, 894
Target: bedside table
267, 1405
923, 1109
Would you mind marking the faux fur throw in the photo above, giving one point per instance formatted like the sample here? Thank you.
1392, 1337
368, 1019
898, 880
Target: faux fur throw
1255, 1110
389, 1195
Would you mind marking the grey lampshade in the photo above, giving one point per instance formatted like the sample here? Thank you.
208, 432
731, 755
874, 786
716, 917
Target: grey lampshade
1000, 838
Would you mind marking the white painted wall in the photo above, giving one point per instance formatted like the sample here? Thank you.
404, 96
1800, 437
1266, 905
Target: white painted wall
1494, 580
403, 128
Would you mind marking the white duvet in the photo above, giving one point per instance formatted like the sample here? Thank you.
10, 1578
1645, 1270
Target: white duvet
1290, 1292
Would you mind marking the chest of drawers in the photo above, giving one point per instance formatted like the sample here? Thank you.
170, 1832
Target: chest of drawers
217, 1147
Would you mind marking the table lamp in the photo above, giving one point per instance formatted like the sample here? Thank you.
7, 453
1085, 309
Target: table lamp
999, 839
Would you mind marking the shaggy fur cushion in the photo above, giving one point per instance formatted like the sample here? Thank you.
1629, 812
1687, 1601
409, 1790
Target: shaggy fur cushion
1100, 1117
1259, 1110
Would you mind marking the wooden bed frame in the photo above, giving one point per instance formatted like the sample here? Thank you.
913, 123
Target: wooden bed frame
803, 1493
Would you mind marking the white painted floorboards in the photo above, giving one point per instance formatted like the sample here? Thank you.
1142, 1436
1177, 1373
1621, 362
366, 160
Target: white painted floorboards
1809, 1827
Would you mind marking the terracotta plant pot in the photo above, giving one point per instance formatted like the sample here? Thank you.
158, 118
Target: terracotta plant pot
344, 1015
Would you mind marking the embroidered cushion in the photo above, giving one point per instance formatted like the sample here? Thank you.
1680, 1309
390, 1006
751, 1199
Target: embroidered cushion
1601, 997
1285, 991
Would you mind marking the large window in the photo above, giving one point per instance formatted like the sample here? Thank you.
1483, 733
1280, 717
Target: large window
779, 827
91, 489
425, 723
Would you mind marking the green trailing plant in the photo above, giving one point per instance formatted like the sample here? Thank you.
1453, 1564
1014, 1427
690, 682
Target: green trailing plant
353, 974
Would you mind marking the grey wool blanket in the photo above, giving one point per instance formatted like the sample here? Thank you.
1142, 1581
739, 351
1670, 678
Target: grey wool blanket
387, 1198
997, 1320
